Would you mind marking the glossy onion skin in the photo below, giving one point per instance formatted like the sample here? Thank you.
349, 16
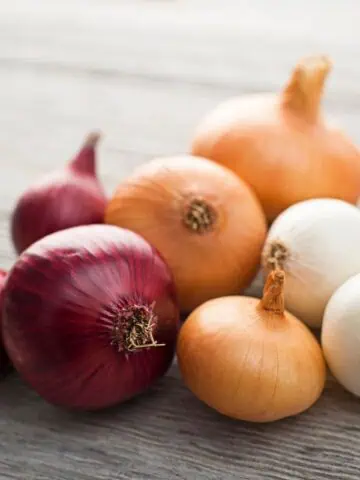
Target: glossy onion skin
340, 335
284, 158
61, 299
71, 200
321, 239
220, 262
249, 365
63, 199
4, 361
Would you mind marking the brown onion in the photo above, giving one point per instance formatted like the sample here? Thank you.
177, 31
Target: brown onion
281, 145
205, 221
249, 358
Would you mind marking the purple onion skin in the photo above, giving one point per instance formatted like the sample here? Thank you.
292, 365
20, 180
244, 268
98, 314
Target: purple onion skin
61, 200
4, 361
67, 202
61, 302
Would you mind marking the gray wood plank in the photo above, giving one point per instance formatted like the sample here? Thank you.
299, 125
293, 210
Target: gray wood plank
145, 72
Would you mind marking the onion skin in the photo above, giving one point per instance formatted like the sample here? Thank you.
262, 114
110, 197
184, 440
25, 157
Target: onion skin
222, 256
61, 200
250, 360
62, 304
4, 361
280, 144
316, 243
340, 335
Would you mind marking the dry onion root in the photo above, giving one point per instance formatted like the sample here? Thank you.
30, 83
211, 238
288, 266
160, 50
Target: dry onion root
249, 359
203, 219
281, 145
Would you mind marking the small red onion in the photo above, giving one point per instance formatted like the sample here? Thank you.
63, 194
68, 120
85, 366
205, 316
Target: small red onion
4, 361
90, 316
61, 200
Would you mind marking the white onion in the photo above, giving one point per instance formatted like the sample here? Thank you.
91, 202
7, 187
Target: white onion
340, 336
317, 243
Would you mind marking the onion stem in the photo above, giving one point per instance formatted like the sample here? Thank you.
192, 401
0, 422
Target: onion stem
304, 91
273, 296
84, 161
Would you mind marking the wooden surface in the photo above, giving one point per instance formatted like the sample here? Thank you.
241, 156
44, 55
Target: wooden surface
145, 72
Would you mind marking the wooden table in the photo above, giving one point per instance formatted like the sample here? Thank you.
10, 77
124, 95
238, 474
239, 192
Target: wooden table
145, 72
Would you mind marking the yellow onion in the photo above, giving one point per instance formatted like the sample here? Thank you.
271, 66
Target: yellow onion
249, 358
206, 222
281, 145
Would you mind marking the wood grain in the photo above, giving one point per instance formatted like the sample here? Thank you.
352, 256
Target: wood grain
145, 72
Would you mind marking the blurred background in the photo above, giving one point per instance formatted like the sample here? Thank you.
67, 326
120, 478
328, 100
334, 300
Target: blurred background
145, 71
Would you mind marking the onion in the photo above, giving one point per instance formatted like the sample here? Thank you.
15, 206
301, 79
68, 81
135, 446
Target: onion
61, 200
4, 363
281, 145
316, 243
340, 334
249, 359
205, 221
90, 316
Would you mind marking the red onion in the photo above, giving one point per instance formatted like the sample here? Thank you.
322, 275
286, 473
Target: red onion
61, 200
90, 316
4, 361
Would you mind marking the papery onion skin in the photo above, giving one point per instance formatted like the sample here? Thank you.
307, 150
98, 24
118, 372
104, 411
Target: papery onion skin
4, 361
60, 200
340, 335
251, 361
206, 222
316, 243
280, 144
63, 302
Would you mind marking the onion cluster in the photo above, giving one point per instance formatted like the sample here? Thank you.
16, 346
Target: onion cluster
89, 313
